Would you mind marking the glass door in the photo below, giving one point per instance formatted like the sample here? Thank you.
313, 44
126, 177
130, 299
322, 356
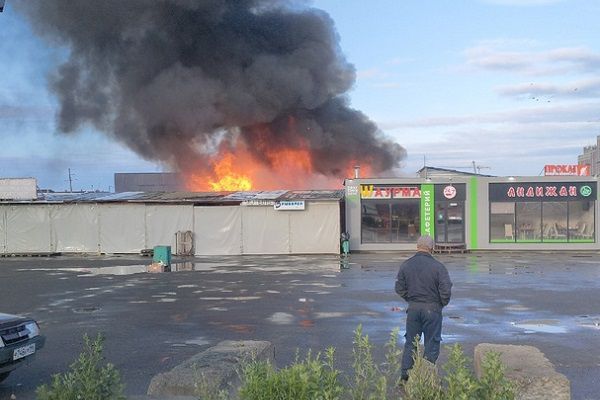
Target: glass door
449, 222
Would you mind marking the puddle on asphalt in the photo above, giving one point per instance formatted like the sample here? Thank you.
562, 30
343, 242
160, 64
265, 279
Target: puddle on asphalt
189, 266
517, 308
588, 321
86, 310
321, 315
199, 341
281, 318
540, 326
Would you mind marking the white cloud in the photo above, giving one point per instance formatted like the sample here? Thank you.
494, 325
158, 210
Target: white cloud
583, 88
575, 112
372, 73
513, 142
495, 57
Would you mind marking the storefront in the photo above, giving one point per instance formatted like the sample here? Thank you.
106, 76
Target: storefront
542, 212
537, 213
391, 214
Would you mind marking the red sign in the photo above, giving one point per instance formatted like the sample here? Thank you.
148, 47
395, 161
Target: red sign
567, 170
449, 192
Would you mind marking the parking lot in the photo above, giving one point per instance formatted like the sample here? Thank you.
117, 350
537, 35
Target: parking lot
153, 321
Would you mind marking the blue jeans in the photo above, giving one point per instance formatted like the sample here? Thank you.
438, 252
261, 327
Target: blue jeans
426, 320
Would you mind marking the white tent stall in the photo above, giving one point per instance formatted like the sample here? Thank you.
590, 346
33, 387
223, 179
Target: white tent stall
279, 222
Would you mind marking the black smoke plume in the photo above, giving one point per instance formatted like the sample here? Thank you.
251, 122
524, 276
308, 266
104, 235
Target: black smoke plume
173, 79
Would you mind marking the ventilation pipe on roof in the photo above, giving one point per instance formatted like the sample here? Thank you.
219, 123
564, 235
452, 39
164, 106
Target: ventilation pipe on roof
356, 171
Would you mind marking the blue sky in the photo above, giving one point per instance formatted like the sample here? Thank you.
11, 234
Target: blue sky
510, 84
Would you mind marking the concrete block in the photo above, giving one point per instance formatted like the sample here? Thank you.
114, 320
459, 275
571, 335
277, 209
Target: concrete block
217, 365
533, 373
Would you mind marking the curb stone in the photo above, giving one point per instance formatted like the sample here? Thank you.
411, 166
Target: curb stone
533, 373
217, 365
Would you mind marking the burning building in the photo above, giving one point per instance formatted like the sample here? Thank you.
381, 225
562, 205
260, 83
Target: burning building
233, 94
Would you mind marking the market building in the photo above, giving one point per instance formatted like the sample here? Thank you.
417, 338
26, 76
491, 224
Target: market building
475, 213
214, 223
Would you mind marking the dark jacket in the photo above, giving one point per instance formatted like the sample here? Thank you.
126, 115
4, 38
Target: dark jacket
424, 281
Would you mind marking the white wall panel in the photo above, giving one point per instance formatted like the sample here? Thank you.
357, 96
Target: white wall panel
75, 228
28, 229
3, 210
265, 231
122, 228
163, 221
218, 230
316, 229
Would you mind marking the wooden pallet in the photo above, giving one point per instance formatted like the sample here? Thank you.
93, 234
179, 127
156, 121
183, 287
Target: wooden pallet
450, 248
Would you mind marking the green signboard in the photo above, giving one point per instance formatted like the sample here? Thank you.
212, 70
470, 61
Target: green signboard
427, 209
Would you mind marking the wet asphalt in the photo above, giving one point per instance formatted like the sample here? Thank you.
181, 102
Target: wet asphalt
153, 321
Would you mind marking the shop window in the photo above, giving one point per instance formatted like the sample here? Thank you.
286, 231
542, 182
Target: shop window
581, 221
528, 222
375, 222
391, 221
554, 226
406, 221
502, 222
548, 221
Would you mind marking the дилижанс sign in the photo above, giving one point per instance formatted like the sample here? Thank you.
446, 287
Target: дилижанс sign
543, 191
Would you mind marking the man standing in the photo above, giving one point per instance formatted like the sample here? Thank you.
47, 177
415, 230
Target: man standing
425, 284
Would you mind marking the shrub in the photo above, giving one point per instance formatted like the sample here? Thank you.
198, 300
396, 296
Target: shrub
368, 382
424, 382
460, 382
393, 359
87, 378
493, 382
309, 379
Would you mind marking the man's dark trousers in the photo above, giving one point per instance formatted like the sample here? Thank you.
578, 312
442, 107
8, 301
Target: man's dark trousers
426, 320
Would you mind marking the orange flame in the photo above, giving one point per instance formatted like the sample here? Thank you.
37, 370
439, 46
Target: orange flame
228, 179
236, 168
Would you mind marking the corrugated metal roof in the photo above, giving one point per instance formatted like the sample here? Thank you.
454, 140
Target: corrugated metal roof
313, 195
184, 197
262, 195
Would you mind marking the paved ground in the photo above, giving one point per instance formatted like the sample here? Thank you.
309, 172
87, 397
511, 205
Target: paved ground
153, 321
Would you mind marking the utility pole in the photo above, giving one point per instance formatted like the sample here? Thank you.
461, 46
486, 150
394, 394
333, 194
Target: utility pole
70, 181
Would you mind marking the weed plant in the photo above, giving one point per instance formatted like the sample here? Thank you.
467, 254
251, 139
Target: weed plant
460, 382
424, 382
87, 378
493, 382
315, 378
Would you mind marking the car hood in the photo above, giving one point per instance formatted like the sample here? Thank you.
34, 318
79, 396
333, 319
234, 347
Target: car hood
9, 318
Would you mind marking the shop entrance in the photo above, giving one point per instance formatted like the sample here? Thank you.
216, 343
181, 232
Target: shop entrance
449, 222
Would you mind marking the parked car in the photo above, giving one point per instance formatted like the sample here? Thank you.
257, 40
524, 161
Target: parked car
20, 339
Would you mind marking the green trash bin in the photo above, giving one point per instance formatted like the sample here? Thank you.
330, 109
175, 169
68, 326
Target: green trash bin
162, 254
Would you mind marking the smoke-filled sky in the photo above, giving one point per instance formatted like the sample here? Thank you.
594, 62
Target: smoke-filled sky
510, 84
